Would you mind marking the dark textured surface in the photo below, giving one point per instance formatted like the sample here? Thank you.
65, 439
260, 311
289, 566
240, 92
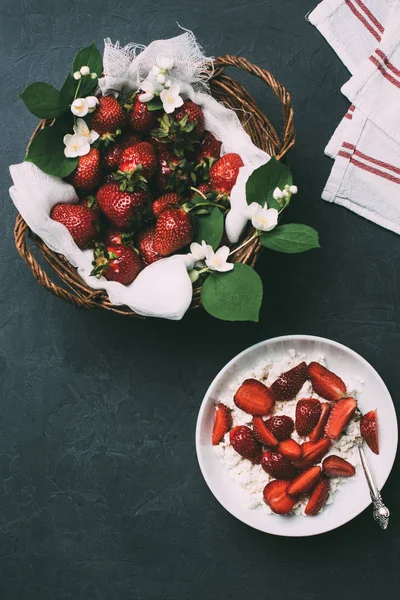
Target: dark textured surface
101, 493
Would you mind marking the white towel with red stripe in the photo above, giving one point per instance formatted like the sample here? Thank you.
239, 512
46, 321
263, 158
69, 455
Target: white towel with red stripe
366, 144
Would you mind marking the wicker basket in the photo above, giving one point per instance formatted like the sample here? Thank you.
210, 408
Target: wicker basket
257, 125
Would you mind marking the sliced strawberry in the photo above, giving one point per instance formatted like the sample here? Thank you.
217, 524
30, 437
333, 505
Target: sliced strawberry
276, 465
245, 444
281, 426
222, 423
340, 416
369, 430
335, 466
305, 482
290, 449
319, 429
288, 385
262, 433
276, 497
308, 412
313, 452
254, 398
325, 383
318, 497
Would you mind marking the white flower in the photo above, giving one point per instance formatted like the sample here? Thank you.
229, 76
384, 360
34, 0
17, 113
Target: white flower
160, 78
92, 102
293, 189
149, 91
171, 98
277, 194
77, 75
198, 251
75, 145
85, 70
262, 217
168, 83
165, 64
155, 70
79, 107
83, 130
217, 261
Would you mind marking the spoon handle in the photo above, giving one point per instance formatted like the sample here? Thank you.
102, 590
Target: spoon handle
380, 511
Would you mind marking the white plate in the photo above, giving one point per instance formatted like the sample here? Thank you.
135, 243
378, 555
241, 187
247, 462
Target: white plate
354, 495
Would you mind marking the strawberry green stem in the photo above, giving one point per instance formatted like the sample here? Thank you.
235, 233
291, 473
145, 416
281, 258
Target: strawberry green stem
206, 204
194, 189
253, 237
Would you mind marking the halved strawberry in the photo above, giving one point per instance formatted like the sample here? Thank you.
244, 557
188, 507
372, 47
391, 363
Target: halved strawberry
254, 398
308, 412
318, 497
340, 416
325, 383
276, 497
245, 444
276, 465
222, 423
281, 426
305, 482
369, 430
335, 466
262, 433
288, 384
319, 429
290, 449
314, 451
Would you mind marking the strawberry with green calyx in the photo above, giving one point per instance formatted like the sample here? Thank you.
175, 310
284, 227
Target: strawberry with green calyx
113, 154
137, 166
116, 263
108, 119
91, 203
79, 220
180, 133
174, 173
124, 209
115, 237
139, 117
174, 231
224, 173
87, 174
206, 155
145, 245
166, 201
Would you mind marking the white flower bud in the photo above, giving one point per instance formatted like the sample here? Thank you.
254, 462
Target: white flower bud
277, 194
293, 189
77, 75
85, 70
93, 75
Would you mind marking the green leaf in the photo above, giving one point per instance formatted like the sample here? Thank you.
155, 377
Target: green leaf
90, 57
65, 123
43, 100
210, 227
262, 182
291, 238
67, 91
233, 296
154, 104
47, 152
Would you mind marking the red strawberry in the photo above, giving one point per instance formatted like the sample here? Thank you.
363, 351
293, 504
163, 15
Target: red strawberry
224, 172
305, 482
288, 385
117, 263
145, 245
313, 452
262, 433
168, 163
78, 219
276, 465
243, 441
369, 430
277, 499
290, 449
334, 466
91, 203
139, 158
222, 423
319, 429
174, 230
113, 153
318, 497
325, 383
308, 412
108, 117
87, 174
193, 116
340, 416
113, 237
254, 398
166, 201
140, 118
210, 147
122, 208
281, 426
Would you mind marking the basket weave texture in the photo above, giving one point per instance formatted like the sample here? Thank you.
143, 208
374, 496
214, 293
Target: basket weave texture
234, 95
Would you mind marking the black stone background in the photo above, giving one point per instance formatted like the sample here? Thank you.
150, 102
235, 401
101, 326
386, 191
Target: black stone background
101, 495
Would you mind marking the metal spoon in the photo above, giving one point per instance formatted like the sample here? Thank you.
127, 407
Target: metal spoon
380, 512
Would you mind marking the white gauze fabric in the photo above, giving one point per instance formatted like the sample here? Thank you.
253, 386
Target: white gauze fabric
162, 289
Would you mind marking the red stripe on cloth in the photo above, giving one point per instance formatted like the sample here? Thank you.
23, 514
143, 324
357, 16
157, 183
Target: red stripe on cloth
368, 168
380, 163
369, 14
344, 154
363, 20
382, 69
348, 116
387, 62
352, 108
348, 146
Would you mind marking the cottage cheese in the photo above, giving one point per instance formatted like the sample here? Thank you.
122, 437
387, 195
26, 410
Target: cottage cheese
252, 478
